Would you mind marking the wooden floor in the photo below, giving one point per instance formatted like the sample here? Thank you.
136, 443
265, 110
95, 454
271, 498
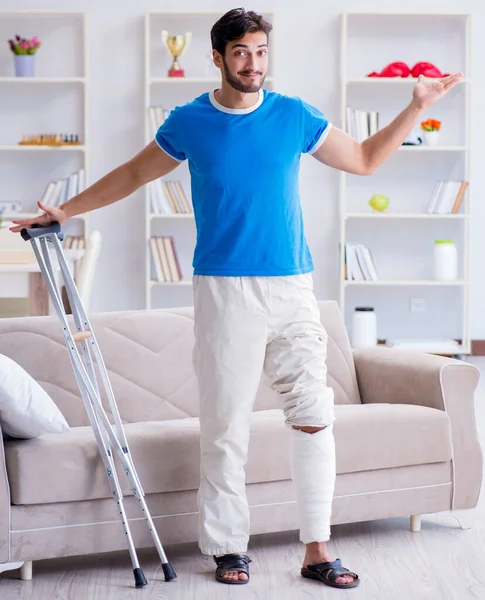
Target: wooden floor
443, 562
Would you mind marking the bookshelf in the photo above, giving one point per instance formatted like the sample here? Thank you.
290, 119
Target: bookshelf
168, 92
401, 238
55, 100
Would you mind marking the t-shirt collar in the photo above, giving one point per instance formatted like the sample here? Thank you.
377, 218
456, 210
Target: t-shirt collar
236, 111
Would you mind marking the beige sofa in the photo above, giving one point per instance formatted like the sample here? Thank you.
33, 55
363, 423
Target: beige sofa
405, 433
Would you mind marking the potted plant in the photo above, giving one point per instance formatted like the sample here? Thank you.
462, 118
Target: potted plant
431, 129
24, 51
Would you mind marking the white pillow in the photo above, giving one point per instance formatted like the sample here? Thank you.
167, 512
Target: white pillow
26, 410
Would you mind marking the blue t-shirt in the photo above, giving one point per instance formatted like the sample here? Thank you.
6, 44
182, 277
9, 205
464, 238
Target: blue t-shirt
244, 166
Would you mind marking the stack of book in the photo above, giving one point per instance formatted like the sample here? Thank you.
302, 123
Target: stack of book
157, 115
361, 124
59, 191
359, 264
447, 197
168, 198
75, 242
165, 260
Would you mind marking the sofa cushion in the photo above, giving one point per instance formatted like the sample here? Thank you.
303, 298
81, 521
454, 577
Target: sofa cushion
383, 436
66, 467
26, 410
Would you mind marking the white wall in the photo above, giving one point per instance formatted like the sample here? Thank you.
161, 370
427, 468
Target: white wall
306, 47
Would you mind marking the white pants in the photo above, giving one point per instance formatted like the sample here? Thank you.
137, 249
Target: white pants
242, 326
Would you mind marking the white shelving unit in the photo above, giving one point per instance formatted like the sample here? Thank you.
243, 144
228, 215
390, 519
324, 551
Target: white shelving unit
160, 90
402, 242
55, 100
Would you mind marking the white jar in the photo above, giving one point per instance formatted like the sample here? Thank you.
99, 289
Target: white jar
364, 327
445, 260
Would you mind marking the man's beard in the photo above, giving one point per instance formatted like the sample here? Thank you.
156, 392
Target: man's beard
238, 85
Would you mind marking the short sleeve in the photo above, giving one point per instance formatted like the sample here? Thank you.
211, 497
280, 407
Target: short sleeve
315, 128
170, 135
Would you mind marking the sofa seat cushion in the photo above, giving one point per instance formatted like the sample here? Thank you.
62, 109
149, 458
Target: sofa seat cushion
384, 436
66, 467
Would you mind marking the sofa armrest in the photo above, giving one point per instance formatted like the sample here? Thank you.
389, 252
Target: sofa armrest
398, 376
4, 507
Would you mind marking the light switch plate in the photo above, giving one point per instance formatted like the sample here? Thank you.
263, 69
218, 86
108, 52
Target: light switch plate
418, 304
10, 207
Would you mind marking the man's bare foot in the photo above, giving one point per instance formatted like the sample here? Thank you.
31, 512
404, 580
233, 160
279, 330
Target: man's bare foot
315, 556
234, 575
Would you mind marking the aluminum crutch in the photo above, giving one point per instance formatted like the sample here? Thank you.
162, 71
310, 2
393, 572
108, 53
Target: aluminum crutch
108, 437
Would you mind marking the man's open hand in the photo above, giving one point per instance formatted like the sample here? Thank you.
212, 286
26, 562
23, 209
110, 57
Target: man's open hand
428, 91
51, 213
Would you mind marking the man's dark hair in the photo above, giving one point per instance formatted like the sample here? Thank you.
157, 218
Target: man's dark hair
234, 25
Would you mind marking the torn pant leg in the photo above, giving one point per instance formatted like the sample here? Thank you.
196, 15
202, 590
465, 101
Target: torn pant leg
295, 363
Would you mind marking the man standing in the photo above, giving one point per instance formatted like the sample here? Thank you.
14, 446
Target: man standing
253, 294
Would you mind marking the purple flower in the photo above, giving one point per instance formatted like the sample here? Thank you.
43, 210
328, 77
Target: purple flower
18, 38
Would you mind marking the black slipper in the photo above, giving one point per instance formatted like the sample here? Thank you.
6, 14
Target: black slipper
232, 562
328, 572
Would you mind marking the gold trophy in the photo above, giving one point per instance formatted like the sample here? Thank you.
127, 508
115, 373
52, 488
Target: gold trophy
176, 45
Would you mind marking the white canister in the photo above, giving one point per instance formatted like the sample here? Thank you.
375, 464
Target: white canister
364, 327
445, 260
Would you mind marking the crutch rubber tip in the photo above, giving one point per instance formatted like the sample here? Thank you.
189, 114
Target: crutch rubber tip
140, 580
169, 572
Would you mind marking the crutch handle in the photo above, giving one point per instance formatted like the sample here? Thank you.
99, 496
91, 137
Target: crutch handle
39, 230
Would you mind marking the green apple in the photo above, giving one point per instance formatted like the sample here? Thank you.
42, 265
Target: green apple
379, 202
